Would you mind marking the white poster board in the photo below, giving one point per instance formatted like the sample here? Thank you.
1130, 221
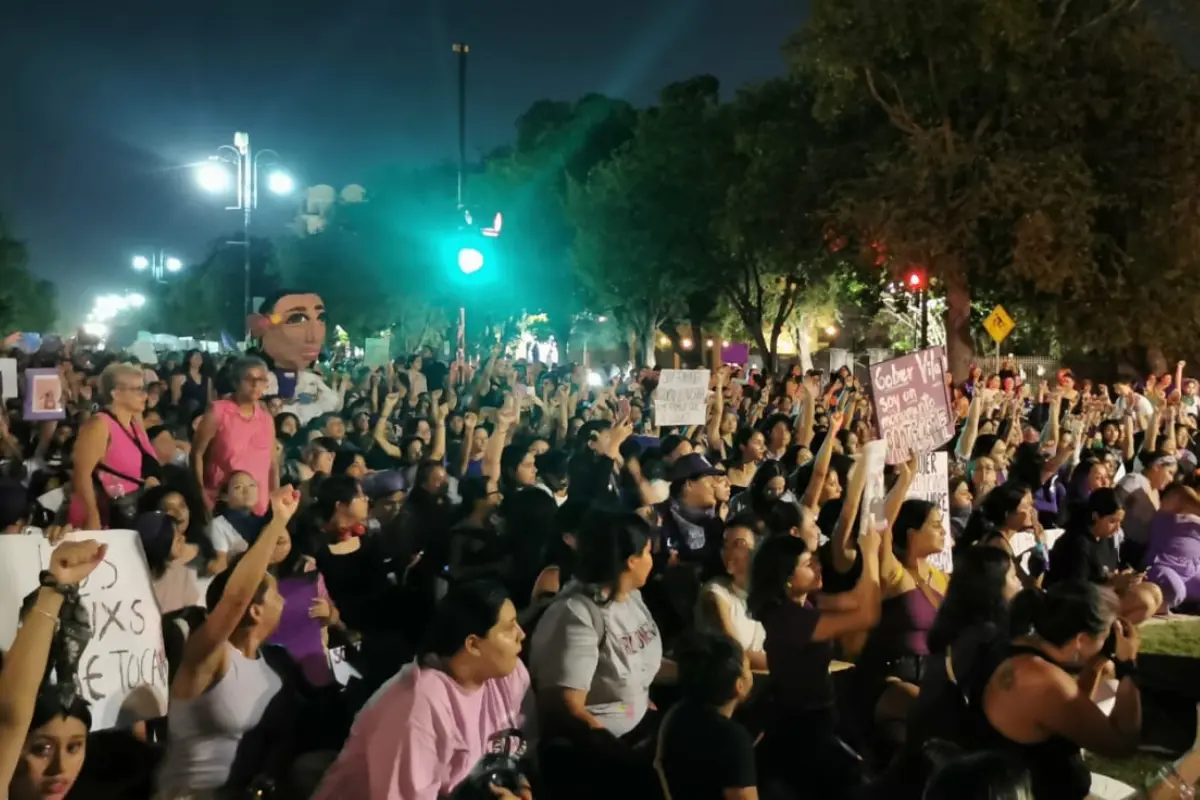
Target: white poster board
932, 483
123, 671
9, 389
875, 492
681, 397
376, 353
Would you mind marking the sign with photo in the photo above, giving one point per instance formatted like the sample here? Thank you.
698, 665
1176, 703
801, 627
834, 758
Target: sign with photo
44, 398
122, 673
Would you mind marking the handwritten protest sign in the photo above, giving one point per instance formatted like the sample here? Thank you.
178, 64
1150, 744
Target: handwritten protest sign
932, 483
911, 403
875, 491
123, 671
681, 397
376, 353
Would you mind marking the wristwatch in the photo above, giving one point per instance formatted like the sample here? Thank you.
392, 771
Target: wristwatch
47, 580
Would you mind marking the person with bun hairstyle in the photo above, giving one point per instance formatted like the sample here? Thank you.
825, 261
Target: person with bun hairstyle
1021, 693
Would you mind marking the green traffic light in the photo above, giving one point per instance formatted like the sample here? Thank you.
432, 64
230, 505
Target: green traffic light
470, 260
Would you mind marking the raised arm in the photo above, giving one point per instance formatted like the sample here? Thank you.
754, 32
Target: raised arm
25, 662
812, 494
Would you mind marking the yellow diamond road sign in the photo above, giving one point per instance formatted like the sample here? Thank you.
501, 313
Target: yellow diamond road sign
999, 324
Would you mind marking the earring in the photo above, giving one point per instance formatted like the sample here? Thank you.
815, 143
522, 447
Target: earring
1076, 658
789, 584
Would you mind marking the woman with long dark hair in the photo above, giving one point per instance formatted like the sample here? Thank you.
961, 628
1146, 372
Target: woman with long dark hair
801, 745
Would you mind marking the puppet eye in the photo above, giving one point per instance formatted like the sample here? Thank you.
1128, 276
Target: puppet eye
297, 317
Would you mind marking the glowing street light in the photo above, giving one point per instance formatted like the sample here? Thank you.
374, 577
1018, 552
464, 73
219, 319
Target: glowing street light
135, 300
157, 263
279, 182
246, 162
213, 177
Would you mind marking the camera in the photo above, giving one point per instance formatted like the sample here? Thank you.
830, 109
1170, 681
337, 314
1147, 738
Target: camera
494, 769
500, 766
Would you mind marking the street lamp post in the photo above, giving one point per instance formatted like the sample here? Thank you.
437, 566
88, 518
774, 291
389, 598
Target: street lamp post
158, 263
215, 178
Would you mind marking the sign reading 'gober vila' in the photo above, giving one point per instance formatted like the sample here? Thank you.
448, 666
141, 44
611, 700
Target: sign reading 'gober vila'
911, 403
123, 670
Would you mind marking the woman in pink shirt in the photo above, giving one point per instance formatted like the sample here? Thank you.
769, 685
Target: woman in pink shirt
237, 434
427, 728
113, 456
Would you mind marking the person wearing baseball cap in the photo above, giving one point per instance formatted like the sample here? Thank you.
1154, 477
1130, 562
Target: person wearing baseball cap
691, 528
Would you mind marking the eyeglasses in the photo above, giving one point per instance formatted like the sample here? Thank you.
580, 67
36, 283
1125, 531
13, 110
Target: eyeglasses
134, 389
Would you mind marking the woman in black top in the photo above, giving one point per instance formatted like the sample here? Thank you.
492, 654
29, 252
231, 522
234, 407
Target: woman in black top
800, 745
1088, 552
1017, 696
702, 754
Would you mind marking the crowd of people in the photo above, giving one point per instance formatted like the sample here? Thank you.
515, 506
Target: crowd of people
542, 594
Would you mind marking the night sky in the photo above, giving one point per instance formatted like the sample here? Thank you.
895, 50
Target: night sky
104, 103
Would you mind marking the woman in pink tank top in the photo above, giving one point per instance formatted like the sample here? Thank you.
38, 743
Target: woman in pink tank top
238, 435
112, 449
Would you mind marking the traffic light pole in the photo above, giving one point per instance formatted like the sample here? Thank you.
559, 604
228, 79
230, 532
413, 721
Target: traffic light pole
462, 50
924, 318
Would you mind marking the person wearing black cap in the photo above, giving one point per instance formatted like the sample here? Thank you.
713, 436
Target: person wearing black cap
690, 528
386, 491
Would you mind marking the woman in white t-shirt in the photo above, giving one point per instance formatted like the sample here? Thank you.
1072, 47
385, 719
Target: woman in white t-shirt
234, 526
1139, 495
722, 605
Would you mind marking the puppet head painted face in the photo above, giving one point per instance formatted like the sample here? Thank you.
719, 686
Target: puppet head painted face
292, 329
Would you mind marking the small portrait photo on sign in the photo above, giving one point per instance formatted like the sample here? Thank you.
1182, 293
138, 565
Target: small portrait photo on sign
44, 395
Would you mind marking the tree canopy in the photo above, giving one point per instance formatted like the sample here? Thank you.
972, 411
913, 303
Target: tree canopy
27, 303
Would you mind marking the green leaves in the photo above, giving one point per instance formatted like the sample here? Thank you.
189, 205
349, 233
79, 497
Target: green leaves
26, 303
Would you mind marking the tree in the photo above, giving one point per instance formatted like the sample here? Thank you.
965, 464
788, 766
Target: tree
26, 303
207, 299
1042, 150
556, 143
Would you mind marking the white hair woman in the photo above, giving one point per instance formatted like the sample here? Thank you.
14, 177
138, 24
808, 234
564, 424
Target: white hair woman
114, 458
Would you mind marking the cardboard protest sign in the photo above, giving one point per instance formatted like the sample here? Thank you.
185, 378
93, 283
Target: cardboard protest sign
681, 397
377, 353
123, 671
875, 492
932, 483
911, 403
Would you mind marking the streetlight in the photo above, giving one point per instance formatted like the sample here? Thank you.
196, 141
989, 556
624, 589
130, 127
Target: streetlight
214, 177
157, 263
918, 285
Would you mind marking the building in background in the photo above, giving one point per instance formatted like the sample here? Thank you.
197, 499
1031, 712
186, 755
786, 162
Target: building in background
319, 203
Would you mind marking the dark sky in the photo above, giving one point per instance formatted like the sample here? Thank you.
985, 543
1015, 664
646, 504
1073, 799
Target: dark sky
104, 102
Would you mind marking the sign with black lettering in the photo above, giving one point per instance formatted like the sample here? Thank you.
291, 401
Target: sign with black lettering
123, 671
912, 404
681, 397
932, 483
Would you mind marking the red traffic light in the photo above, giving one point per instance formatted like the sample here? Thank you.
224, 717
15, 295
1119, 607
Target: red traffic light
915, 280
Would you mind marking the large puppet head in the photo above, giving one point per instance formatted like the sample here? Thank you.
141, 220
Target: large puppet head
290, 326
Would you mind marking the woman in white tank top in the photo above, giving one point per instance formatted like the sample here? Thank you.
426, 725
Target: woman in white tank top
723, 600
224, 685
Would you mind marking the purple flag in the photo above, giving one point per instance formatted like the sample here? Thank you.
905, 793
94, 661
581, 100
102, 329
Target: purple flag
297, 632
912, 404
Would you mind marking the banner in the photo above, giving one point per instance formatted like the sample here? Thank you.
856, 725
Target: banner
932, 483
376, 353
681, 397
123, 671
911, 403
875, 492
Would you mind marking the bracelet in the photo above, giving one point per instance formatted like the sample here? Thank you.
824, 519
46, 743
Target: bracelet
48, 616
1170, 777
1126, 669
47, 580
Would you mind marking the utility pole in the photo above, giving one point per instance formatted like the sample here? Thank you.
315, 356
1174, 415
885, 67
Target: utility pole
462, 50
924, 316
